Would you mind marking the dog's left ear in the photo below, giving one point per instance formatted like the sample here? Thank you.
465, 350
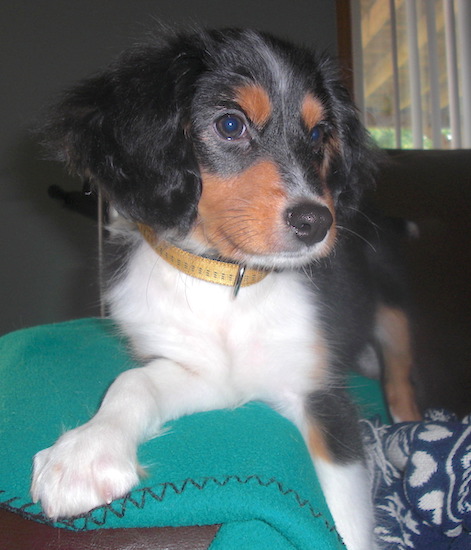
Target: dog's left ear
126, 130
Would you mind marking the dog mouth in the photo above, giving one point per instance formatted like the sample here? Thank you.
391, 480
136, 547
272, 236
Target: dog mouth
290, 248
286, 259
293, 237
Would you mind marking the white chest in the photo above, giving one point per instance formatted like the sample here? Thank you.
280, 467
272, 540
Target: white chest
268, 336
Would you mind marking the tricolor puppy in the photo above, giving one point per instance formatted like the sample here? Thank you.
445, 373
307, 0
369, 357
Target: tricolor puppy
237, 164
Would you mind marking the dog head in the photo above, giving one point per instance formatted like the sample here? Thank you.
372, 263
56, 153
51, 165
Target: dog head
231, 142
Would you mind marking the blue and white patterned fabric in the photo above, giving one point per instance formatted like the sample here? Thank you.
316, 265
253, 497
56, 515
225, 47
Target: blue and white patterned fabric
422, 481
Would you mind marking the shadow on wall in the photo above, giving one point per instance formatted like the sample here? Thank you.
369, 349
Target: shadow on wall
53, 250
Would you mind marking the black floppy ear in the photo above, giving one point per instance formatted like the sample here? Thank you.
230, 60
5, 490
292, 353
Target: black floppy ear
354, 168
126, 130
357, 165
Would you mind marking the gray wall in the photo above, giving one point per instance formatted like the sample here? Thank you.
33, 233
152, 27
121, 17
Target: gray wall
48, 254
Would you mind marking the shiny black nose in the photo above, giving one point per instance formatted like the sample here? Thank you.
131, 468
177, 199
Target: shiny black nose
309, 221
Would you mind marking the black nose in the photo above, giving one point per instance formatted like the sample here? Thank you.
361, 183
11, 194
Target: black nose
309, 221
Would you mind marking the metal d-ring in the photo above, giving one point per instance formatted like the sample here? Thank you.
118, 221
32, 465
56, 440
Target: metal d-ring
238, 281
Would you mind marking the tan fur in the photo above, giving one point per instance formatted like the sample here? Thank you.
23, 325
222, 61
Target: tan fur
312, 111
243, 213
317, 444
255, 102
394, 336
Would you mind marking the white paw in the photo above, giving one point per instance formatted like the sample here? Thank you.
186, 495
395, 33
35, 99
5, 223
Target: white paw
87, 467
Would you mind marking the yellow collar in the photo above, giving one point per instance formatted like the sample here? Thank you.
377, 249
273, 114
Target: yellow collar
213, 271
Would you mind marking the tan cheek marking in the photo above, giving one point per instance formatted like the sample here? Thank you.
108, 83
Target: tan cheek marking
312, 111
255, 102
242, 214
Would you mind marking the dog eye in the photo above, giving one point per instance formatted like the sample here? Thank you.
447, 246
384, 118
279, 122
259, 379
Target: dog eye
230, 127
317, 135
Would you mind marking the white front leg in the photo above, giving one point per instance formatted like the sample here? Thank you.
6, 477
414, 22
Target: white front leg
97, 462
330, 430
348, 493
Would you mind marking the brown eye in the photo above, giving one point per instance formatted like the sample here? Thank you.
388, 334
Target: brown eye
230, 127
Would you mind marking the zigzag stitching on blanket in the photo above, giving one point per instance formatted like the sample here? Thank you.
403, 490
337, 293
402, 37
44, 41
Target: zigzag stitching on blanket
159, 496
201, 486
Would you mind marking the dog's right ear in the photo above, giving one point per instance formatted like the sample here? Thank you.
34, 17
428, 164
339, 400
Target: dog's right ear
126, 130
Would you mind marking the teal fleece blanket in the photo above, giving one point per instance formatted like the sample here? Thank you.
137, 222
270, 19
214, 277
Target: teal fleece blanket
247, 469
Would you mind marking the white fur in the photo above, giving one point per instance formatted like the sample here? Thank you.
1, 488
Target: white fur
347, 489
204, 351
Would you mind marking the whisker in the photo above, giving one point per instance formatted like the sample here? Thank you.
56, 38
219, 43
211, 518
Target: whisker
366, 217
366, 241
359, 211
305, 269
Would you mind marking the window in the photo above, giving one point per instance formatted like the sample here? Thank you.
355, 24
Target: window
412, 71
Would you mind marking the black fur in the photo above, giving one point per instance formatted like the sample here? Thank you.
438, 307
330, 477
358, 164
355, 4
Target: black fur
138, 131
284, 193
366, 271
336, 417
133, 126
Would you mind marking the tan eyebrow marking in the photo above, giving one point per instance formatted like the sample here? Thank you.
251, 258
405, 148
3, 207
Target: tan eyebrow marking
312, 111
255, 102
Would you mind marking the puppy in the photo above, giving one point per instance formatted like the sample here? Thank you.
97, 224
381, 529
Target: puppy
248, 270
